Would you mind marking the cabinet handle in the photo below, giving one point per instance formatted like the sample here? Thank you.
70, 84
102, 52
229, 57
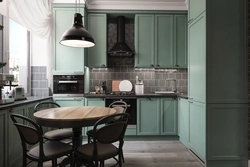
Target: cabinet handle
102, 98
151, 65
190, 102
176, 65
78, 99
148, 98
103, 65
78, 72
158, 65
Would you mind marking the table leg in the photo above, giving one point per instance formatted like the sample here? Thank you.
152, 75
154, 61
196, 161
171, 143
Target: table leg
77, 137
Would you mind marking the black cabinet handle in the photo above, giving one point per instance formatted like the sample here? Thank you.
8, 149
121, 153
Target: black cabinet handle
151, 65
103, 65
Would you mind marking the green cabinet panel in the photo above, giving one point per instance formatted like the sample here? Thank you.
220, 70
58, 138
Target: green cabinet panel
195, 8
66, 59
95, 102
168, 116
197, 60
72, 101
227, 125
97, 27
197, 131
14, 142
183, 121
160, 40
180, 41
148, 116
3, 137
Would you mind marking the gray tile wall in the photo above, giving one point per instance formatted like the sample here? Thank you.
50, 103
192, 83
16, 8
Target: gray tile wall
39, 81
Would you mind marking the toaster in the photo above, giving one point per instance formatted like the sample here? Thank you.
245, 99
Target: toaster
19, 93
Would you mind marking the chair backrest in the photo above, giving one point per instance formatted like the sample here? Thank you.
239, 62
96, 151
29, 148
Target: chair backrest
119, 106
110, 133
45, 105
30, 133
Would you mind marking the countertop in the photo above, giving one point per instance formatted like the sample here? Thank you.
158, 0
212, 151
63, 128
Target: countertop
29, 99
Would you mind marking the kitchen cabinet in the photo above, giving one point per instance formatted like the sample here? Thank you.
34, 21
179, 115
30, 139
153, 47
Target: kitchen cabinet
69, 101
197, 128
95, 102
183, 121
14, 147
160, 112
66, 59
97, 27
160, 40
196, 7
218, 82
3, 137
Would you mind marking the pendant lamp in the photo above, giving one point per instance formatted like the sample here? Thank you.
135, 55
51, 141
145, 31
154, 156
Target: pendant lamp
77, 35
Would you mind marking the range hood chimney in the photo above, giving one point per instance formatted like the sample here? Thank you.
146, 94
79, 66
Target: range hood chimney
121, 48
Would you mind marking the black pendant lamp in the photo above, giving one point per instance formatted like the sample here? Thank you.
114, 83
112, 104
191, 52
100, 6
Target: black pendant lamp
77, 35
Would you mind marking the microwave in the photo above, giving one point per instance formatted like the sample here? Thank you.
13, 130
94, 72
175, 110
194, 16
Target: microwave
68, 85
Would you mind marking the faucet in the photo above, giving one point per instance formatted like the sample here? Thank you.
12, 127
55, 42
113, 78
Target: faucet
175, 87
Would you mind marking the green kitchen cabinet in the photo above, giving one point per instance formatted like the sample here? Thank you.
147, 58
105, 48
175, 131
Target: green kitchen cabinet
66, 59
14, 142
148, 116
160, 40
197, 60
69, 101
97, 27
3, 137
168, 116
195, 8
95, 102
197, 128
183, 121
160, 112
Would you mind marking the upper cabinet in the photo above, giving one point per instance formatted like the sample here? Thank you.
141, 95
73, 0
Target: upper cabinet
66, 59
195, 8
97, 27
160, 40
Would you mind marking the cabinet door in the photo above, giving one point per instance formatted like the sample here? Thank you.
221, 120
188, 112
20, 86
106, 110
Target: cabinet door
164, 39
197, 60
65, 102
195, 8
97, 27
183, 120
148, 116
3, 137
168, 116
197, 138
95, 102
14, 141
66, 59
144, 40
180, 41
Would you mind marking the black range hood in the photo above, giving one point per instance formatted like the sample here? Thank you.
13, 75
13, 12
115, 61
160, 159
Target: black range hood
121, 48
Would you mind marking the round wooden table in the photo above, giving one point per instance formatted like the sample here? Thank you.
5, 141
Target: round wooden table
74, 117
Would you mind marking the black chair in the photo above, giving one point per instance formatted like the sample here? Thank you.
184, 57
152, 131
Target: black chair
31, 134
57, 134
119, 106
102, 147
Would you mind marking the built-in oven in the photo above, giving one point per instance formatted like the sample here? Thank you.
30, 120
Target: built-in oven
131, 108
68, 85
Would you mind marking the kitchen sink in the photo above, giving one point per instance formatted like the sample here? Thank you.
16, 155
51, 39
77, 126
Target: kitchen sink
164, 92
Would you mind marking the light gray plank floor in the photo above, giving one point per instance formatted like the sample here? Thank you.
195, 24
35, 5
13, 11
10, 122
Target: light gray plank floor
153, 154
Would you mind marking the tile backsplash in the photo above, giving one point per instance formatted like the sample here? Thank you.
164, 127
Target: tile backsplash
39, 81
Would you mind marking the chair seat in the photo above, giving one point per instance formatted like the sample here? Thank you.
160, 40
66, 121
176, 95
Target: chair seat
51, 149
105, 151
58, 134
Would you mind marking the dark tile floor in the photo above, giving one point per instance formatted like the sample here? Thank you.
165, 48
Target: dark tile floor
153, 154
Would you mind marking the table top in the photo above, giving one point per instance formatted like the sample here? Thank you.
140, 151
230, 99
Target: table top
70, 117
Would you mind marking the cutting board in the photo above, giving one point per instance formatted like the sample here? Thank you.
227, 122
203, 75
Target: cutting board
115, 85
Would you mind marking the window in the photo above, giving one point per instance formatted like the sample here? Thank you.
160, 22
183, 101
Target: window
19, 54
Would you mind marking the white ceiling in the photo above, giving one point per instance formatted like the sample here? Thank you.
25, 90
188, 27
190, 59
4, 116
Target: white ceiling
137, 4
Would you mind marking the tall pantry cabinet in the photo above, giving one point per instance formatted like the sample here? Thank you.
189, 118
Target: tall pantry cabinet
217, 84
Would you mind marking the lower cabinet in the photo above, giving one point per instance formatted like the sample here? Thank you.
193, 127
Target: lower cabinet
70, 101
183, 121
95, 102
156, 116
3, 137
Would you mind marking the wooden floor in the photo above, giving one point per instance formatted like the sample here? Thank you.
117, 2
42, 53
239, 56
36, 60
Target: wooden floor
153, 154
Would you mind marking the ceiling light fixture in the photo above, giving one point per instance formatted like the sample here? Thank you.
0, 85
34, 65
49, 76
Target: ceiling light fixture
77, 35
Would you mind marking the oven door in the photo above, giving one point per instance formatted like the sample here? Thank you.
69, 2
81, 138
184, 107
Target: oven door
131, 110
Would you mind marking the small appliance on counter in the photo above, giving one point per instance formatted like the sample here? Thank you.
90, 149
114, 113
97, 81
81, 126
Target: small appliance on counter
5, 96
18, 93
139, 86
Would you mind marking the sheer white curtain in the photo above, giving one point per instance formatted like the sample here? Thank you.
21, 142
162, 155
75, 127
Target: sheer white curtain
35, 15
